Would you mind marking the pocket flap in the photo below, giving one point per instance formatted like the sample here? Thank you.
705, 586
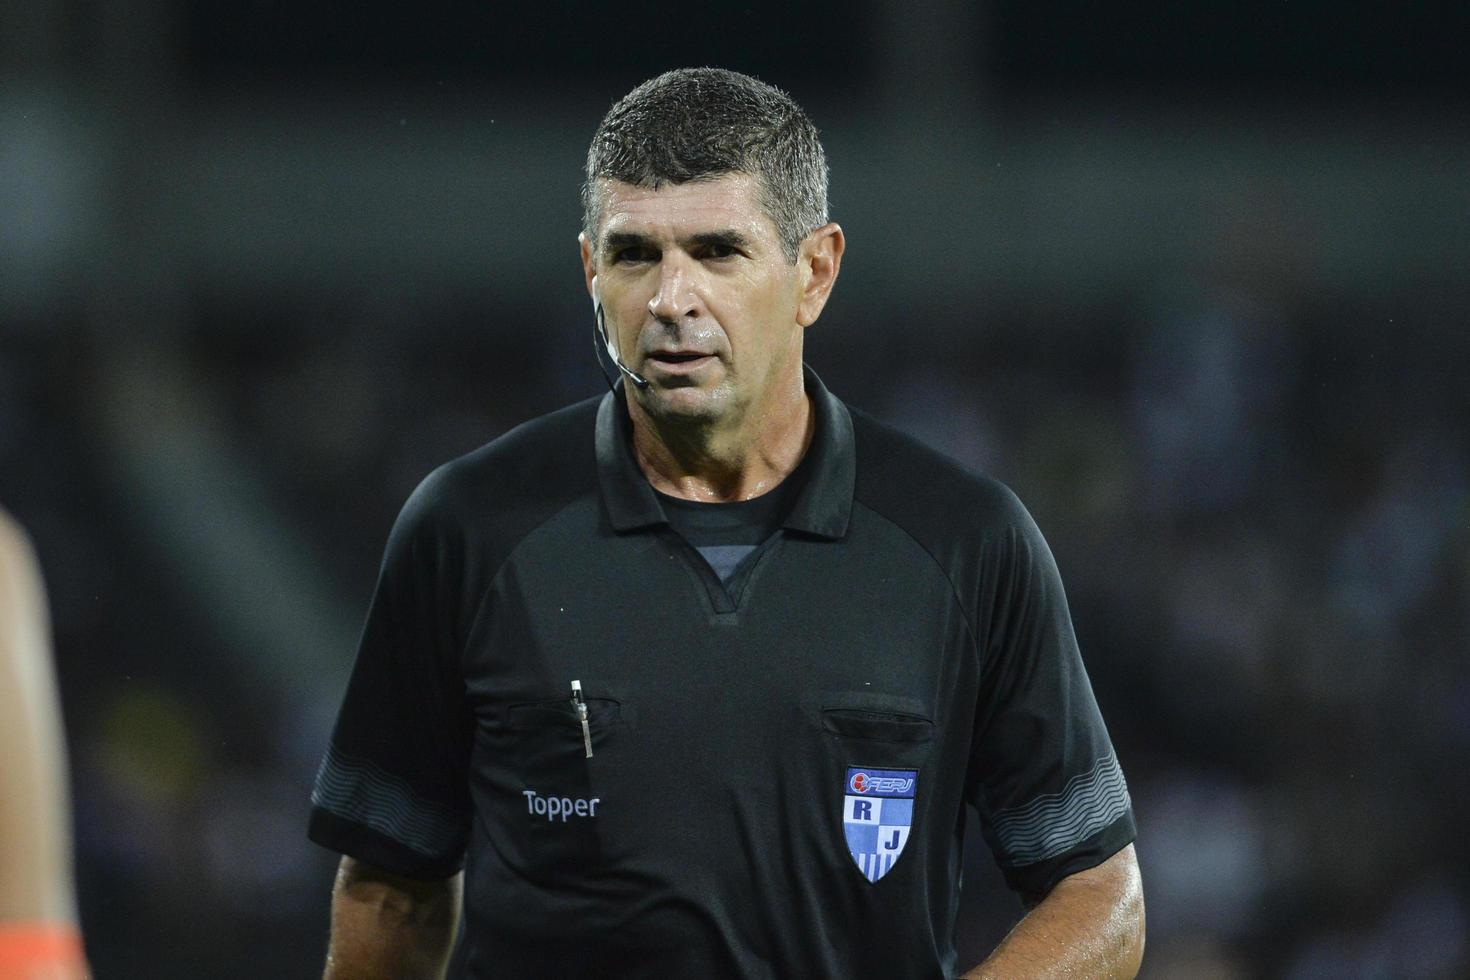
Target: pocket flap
533, 715
877, 725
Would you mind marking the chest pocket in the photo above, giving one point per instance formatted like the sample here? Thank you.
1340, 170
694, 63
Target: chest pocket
547, 735
877, 726
555, 821
874, 730
875, 750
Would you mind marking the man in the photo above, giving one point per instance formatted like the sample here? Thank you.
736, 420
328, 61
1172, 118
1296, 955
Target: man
39, 939
696, 679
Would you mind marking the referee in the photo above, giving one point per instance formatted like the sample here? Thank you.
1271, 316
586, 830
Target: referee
696, 679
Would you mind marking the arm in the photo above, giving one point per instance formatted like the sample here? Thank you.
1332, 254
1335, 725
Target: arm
1090, 924
38, 930
393, 789
388, 926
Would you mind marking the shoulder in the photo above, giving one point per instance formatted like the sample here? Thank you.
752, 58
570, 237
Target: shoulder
531, 470
18, 566
930, 495
22, 595
972, 525
14, 545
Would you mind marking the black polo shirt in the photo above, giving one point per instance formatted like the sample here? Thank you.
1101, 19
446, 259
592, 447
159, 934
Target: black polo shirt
779, 769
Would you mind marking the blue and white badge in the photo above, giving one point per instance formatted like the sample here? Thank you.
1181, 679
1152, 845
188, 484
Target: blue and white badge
877, 812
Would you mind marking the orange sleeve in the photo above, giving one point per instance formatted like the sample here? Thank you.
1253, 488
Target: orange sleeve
41, 951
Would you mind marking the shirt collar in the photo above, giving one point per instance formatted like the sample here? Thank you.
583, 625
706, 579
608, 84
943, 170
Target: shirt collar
822, 507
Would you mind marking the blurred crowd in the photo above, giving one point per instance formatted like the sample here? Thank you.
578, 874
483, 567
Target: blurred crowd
1258, 501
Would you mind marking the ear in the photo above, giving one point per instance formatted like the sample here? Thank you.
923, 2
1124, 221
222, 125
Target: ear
589, 263
818, 264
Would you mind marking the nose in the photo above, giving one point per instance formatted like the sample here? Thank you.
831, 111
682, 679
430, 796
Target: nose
677, 296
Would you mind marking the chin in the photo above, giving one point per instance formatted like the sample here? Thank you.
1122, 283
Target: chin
688, 405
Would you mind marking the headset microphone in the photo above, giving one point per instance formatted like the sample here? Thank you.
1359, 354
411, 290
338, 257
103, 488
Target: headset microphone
607, 345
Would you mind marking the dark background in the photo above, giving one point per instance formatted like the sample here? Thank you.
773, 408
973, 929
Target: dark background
1191, 278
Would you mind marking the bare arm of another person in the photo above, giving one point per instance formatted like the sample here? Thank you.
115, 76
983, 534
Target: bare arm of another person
38, 917
388, 927
1089, 925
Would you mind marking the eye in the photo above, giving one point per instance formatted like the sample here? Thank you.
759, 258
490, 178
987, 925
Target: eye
720, 250
633, 254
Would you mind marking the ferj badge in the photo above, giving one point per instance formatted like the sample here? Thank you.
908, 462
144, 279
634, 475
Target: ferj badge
877, 811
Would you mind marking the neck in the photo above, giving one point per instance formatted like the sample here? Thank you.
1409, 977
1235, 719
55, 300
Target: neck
716, 464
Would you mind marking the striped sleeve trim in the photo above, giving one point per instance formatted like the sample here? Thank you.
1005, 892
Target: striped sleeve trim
1051, 824
360, 792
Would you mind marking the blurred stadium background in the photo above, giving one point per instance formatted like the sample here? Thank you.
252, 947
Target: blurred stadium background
1191, 278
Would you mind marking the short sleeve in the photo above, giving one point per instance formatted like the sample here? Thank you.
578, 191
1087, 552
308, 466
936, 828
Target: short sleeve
1043, 774
392, 789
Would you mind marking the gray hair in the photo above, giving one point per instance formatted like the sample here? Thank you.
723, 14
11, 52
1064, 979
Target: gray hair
703, 123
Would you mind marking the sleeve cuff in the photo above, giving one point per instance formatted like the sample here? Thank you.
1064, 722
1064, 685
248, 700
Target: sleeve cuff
354, 840
1042, 876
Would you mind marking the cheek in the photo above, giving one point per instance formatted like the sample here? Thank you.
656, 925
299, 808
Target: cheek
628, 318
777, 313
764, 333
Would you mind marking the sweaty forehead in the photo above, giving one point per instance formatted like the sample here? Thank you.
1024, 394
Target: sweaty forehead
677, 211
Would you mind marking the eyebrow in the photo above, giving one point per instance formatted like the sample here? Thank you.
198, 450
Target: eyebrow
615, 240
728, 237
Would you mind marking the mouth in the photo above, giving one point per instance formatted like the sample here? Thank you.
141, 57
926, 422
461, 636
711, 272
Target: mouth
679, 360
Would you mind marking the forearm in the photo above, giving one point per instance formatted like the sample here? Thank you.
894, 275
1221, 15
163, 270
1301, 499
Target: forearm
386, 926
1090, 925
35, 825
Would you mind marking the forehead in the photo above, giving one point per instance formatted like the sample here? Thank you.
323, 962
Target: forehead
674, 211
